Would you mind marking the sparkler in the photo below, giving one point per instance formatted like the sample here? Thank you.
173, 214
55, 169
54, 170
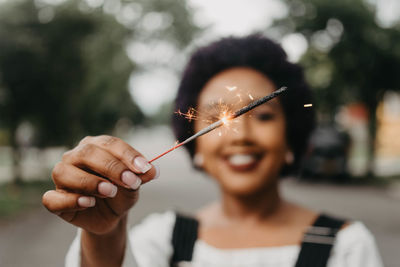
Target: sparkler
223, 120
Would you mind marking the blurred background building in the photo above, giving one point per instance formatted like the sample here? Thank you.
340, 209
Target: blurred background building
72, 68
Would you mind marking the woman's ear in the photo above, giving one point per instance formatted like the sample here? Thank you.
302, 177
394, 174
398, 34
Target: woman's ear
289, 157
198, 160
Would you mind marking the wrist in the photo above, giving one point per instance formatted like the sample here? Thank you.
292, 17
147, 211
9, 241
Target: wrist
108, 232
106, 249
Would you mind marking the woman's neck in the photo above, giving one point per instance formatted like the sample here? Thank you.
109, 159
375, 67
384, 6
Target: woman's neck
254, 208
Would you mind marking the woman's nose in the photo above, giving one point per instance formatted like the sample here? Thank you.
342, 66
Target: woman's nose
239, 129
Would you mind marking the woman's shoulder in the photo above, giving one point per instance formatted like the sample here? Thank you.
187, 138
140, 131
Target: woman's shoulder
356, 246
354, 232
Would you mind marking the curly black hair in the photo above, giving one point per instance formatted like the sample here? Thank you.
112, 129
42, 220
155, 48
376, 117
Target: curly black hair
259, 53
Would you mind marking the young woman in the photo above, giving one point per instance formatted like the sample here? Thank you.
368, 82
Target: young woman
251, 225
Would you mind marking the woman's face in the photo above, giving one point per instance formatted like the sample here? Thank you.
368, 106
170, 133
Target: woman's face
246, 155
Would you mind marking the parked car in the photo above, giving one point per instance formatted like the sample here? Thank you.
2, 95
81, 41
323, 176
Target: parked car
327, 155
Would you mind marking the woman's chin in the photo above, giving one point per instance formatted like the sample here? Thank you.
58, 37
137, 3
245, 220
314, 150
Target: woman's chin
242, 187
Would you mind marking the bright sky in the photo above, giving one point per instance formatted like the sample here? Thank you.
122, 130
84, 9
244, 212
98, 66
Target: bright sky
237, 16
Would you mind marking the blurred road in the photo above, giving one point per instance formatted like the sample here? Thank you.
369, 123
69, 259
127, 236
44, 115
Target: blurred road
41, 239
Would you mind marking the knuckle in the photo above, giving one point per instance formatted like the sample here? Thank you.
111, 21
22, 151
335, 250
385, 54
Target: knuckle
58, 171
86, 184
85, 150
112, 166
85, 140
128, 153
66, 155
107, 140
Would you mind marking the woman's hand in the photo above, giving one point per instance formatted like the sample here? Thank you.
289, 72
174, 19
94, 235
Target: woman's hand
97, 183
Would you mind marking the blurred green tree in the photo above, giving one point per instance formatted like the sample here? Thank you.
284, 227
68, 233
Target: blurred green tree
350, 57
64, 68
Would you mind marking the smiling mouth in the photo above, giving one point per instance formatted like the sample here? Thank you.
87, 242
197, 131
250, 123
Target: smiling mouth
242, 162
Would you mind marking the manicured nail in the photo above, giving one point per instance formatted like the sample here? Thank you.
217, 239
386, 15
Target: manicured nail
131, 179
86, 202
141, 164
107, 189
157, 172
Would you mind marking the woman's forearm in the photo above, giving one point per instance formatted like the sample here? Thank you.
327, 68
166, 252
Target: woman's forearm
104, 250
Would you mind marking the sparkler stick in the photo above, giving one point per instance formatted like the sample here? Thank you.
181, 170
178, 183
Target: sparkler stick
222, 121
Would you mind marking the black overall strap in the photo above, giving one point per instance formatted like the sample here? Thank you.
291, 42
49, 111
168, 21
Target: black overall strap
318, 242
183, 238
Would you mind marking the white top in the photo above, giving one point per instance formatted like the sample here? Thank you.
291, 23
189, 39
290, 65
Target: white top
150, 246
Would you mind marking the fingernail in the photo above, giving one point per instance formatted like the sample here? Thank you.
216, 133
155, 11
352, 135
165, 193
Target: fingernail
131, 179
141, 164
107, 189
86, 202
157, 172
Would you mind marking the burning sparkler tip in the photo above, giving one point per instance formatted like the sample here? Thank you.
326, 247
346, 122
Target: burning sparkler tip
308, 105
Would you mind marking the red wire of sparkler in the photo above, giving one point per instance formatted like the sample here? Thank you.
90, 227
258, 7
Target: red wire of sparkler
166, 152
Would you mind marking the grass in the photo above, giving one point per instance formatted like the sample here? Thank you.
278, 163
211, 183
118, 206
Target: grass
16, 198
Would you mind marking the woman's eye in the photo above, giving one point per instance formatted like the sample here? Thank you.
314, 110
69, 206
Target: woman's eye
264, 116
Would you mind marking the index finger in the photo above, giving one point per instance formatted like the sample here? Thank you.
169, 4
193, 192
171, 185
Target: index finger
133, 159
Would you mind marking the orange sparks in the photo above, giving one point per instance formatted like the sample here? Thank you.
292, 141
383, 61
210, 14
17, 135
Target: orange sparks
190, 114
307, 105
219, 111
231, 88
251, 97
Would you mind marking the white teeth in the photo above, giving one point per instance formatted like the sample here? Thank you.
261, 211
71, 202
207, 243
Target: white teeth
241, 159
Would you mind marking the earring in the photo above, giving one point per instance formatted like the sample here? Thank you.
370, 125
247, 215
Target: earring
289, 157
198, 160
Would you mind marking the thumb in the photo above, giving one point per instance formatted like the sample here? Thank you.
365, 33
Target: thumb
123, 201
